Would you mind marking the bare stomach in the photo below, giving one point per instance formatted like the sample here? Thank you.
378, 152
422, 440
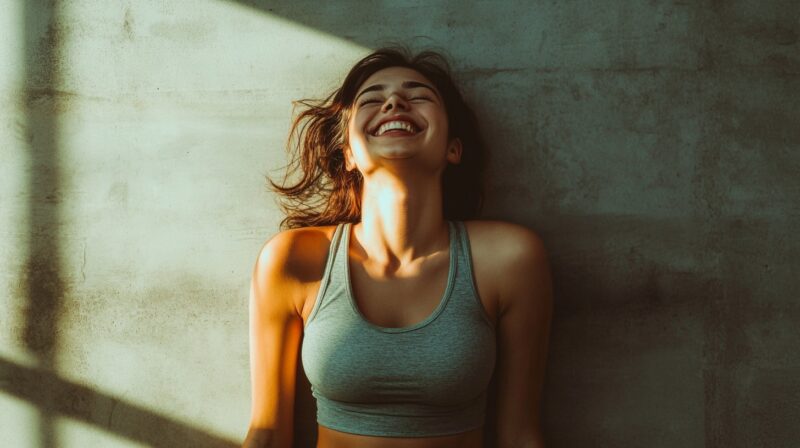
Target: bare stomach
330, 438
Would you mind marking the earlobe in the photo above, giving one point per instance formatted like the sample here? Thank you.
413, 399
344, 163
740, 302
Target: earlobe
456, 148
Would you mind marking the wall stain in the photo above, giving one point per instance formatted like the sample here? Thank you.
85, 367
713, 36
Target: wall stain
127, 24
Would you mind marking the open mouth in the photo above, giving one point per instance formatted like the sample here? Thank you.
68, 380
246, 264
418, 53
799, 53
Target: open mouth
396, 128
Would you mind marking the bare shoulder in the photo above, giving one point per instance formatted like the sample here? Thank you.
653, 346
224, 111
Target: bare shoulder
298, 247
299, 255
507, 239
518, 257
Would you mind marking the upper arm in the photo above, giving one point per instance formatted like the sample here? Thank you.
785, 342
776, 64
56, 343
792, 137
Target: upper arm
275, 334
526, 305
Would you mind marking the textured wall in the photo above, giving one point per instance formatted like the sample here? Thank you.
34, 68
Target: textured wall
654, 145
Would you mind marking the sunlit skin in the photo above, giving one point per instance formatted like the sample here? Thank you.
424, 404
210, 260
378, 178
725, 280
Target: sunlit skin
402, 232
401, 216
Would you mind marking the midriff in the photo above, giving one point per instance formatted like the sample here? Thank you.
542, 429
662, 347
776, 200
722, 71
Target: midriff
330, 438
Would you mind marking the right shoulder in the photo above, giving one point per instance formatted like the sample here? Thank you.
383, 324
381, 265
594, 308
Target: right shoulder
295, 258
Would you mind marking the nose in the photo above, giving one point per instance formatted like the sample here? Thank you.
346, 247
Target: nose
394, 101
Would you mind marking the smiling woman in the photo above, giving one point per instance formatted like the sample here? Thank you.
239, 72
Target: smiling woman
319, 137
401, 306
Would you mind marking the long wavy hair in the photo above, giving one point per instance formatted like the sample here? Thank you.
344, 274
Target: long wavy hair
327, 193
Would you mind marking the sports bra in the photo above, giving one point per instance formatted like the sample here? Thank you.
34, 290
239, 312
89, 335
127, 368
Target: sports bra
426, 379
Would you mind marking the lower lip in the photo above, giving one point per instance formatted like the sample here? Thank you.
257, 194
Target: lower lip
396, 134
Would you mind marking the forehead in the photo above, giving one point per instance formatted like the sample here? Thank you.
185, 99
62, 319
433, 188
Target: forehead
394, 76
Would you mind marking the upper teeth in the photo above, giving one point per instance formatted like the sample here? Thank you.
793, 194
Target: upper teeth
388, 126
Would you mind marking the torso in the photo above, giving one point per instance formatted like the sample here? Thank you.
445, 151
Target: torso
425, 282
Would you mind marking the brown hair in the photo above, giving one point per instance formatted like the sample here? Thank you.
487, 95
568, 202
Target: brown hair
327, 193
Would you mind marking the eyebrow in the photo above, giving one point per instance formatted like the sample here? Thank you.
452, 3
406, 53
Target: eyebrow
405, 85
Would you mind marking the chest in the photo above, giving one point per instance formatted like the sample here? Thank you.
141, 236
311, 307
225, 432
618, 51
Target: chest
407, 298
436, 367
401, 300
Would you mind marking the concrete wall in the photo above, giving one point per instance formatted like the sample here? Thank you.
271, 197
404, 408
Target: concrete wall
654, 145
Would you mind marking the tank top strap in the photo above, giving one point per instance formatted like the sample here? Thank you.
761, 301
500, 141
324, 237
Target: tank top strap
461, 245
465, 280
464, 259
331, 278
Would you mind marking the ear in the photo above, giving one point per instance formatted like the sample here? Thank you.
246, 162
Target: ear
454, 149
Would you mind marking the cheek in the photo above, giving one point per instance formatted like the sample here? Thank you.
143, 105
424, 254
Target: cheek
355, 127
352, 130
356, 136
442, 126
438, 116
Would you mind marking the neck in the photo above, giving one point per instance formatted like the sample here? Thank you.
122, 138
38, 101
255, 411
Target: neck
401, 222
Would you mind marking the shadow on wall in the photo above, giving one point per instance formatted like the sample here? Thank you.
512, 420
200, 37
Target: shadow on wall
41, 280
56, 397
42, 284
331, 18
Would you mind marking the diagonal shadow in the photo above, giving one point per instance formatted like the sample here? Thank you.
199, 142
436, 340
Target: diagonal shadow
66, 399
331, 18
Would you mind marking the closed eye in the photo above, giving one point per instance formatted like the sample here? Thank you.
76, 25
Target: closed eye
374, 100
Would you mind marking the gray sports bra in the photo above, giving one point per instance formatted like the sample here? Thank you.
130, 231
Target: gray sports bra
427, 379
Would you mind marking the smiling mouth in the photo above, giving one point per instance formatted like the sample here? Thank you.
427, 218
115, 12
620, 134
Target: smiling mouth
396, 128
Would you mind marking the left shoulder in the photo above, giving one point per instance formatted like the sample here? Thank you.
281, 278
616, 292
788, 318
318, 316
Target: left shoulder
519, 259
510, 242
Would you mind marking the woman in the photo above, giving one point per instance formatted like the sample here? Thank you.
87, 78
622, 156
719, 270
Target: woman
400, 310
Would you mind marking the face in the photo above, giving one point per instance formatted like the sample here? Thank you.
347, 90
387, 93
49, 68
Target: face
417, 128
